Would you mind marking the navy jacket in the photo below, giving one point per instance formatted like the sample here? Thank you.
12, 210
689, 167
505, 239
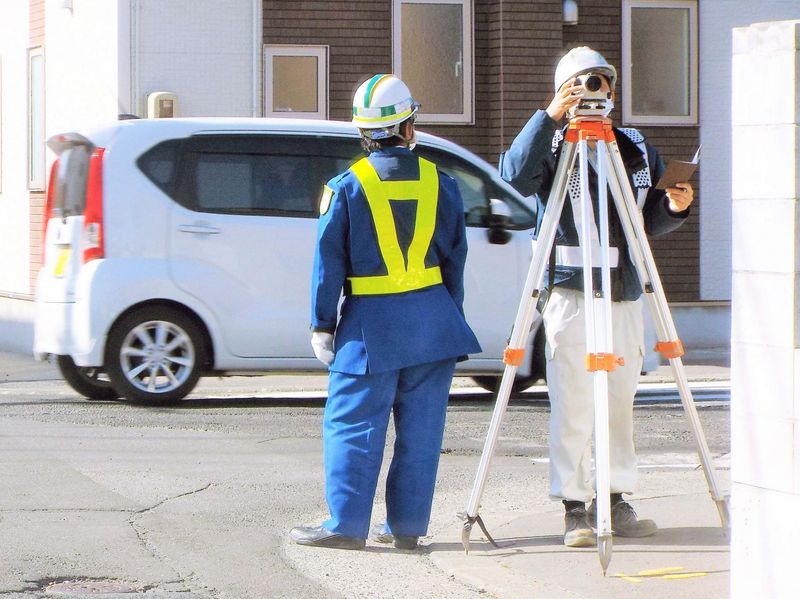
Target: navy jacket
377, 333
529, 165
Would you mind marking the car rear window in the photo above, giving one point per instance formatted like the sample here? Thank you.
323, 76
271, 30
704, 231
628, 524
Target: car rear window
253, 174
69, 197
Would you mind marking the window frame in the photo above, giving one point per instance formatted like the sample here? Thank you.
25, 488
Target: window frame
321, 53
628, 116
467, 116
36, 181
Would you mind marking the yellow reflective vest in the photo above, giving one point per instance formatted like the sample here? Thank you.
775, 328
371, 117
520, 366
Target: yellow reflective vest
400, 277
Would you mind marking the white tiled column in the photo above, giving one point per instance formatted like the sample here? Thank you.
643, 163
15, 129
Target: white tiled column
765, 396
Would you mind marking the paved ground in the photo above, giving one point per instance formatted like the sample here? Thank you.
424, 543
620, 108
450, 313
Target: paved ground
195, 501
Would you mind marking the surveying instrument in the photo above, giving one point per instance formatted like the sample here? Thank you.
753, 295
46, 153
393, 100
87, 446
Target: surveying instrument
590, 125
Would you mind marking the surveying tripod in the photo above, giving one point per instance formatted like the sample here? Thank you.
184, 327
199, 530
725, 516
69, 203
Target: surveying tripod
600, 359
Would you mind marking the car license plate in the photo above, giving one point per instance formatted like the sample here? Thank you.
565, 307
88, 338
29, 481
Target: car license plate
61, 261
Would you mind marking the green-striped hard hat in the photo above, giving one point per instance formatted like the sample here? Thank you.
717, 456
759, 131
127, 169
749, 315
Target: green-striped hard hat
382, 101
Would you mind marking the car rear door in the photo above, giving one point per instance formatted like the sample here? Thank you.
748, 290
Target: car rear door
497, 264
243, 233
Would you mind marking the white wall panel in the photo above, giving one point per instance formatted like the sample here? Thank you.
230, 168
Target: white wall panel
202, 50
82, 64
14, 199
717, 19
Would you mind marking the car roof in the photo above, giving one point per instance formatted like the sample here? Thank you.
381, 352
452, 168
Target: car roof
155, 130
158, 129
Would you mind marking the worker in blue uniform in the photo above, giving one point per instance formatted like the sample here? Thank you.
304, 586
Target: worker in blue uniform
392, 239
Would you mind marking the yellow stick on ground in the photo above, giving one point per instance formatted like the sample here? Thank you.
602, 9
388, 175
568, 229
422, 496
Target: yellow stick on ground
660, 571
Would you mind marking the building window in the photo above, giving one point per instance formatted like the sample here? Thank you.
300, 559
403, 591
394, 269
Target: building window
36, 156
296, 81
433, 54
659, 62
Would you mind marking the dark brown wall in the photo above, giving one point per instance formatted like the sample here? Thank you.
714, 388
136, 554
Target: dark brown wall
517, 45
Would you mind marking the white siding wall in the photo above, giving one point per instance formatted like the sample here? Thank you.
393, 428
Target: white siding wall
82, 65
717, 18
14, 203
765, 357
201, 50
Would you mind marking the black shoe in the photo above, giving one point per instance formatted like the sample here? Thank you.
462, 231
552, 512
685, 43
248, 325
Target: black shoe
379, 534
625, 522
318, 536
577, 530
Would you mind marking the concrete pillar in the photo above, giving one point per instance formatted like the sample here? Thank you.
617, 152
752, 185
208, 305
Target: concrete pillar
765, 359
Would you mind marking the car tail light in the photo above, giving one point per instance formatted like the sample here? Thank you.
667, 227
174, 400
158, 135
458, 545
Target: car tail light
93, 242
49, 202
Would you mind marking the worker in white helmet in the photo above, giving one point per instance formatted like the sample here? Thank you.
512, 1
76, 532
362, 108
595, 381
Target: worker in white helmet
529, 165
392, 238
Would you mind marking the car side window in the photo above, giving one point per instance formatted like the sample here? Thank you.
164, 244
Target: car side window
477, 188
277, 175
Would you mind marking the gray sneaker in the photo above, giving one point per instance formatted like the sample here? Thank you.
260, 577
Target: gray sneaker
624, 521
626, 524
577, 530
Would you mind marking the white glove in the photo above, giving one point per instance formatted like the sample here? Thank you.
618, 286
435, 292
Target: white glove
323, 347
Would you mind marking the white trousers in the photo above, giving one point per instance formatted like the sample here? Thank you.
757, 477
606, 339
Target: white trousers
572, 398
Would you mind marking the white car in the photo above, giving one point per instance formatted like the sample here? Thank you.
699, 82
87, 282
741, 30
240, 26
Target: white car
177, 248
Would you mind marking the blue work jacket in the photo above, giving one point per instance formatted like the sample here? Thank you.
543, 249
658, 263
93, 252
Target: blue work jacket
529, 165
378, 333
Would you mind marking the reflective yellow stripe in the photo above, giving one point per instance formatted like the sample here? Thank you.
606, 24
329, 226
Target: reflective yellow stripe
381, 119
400, 278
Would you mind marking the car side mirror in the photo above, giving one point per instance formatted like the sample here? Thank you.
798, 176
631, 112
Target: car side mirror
498, 220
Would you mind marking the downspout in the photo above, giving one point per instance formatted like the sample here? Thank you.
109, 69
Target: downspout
258, 42
135, 105
502, 81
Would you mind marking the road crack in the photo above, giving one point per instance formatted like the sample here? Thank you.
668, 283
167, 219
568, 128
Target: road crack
187, 579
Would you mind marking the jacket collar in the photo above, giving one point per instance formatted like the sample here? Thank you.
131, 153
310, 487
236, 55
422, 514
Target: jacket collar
632, 156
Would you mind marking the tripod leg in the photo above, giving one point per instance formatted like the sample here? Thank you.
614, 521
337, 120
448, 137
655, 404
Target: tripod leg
599, 338
669, 345
519, 333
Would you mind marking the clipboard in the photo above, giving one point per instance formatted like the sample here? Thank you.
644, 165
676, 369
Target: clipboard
678, 171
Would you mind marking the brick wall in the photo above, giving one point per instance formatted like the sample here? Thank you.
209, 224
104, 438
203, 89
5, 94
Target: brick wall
517, 45
358, 32
37, 198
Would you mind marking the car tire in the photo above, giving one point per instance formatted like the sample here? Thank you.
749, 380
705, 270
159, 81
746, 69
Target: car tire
92, 383
154, 355
537, 372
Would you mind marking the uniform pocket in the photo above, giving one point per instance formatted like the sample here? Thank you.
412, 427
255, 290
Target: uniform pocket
564, 320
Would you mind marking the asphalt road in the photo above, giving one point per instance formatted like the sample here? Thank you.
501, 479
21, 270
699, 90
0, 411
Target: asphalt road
195, 501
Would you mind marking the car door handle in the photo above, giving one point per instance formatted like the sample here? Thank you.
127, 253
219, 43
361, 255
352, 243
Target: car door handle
203, 229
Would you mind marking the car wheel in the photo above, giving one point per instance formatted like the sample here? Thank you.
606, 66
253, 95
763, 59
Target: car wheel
154, 355
537, 372
92, 383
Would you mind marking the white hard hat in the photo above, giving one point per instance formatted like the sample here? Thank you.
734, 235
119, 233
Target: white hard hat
583, 60
381, 102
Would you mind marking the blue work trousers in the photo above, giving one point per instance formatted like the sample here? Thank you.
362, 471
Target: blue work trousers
354, 436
